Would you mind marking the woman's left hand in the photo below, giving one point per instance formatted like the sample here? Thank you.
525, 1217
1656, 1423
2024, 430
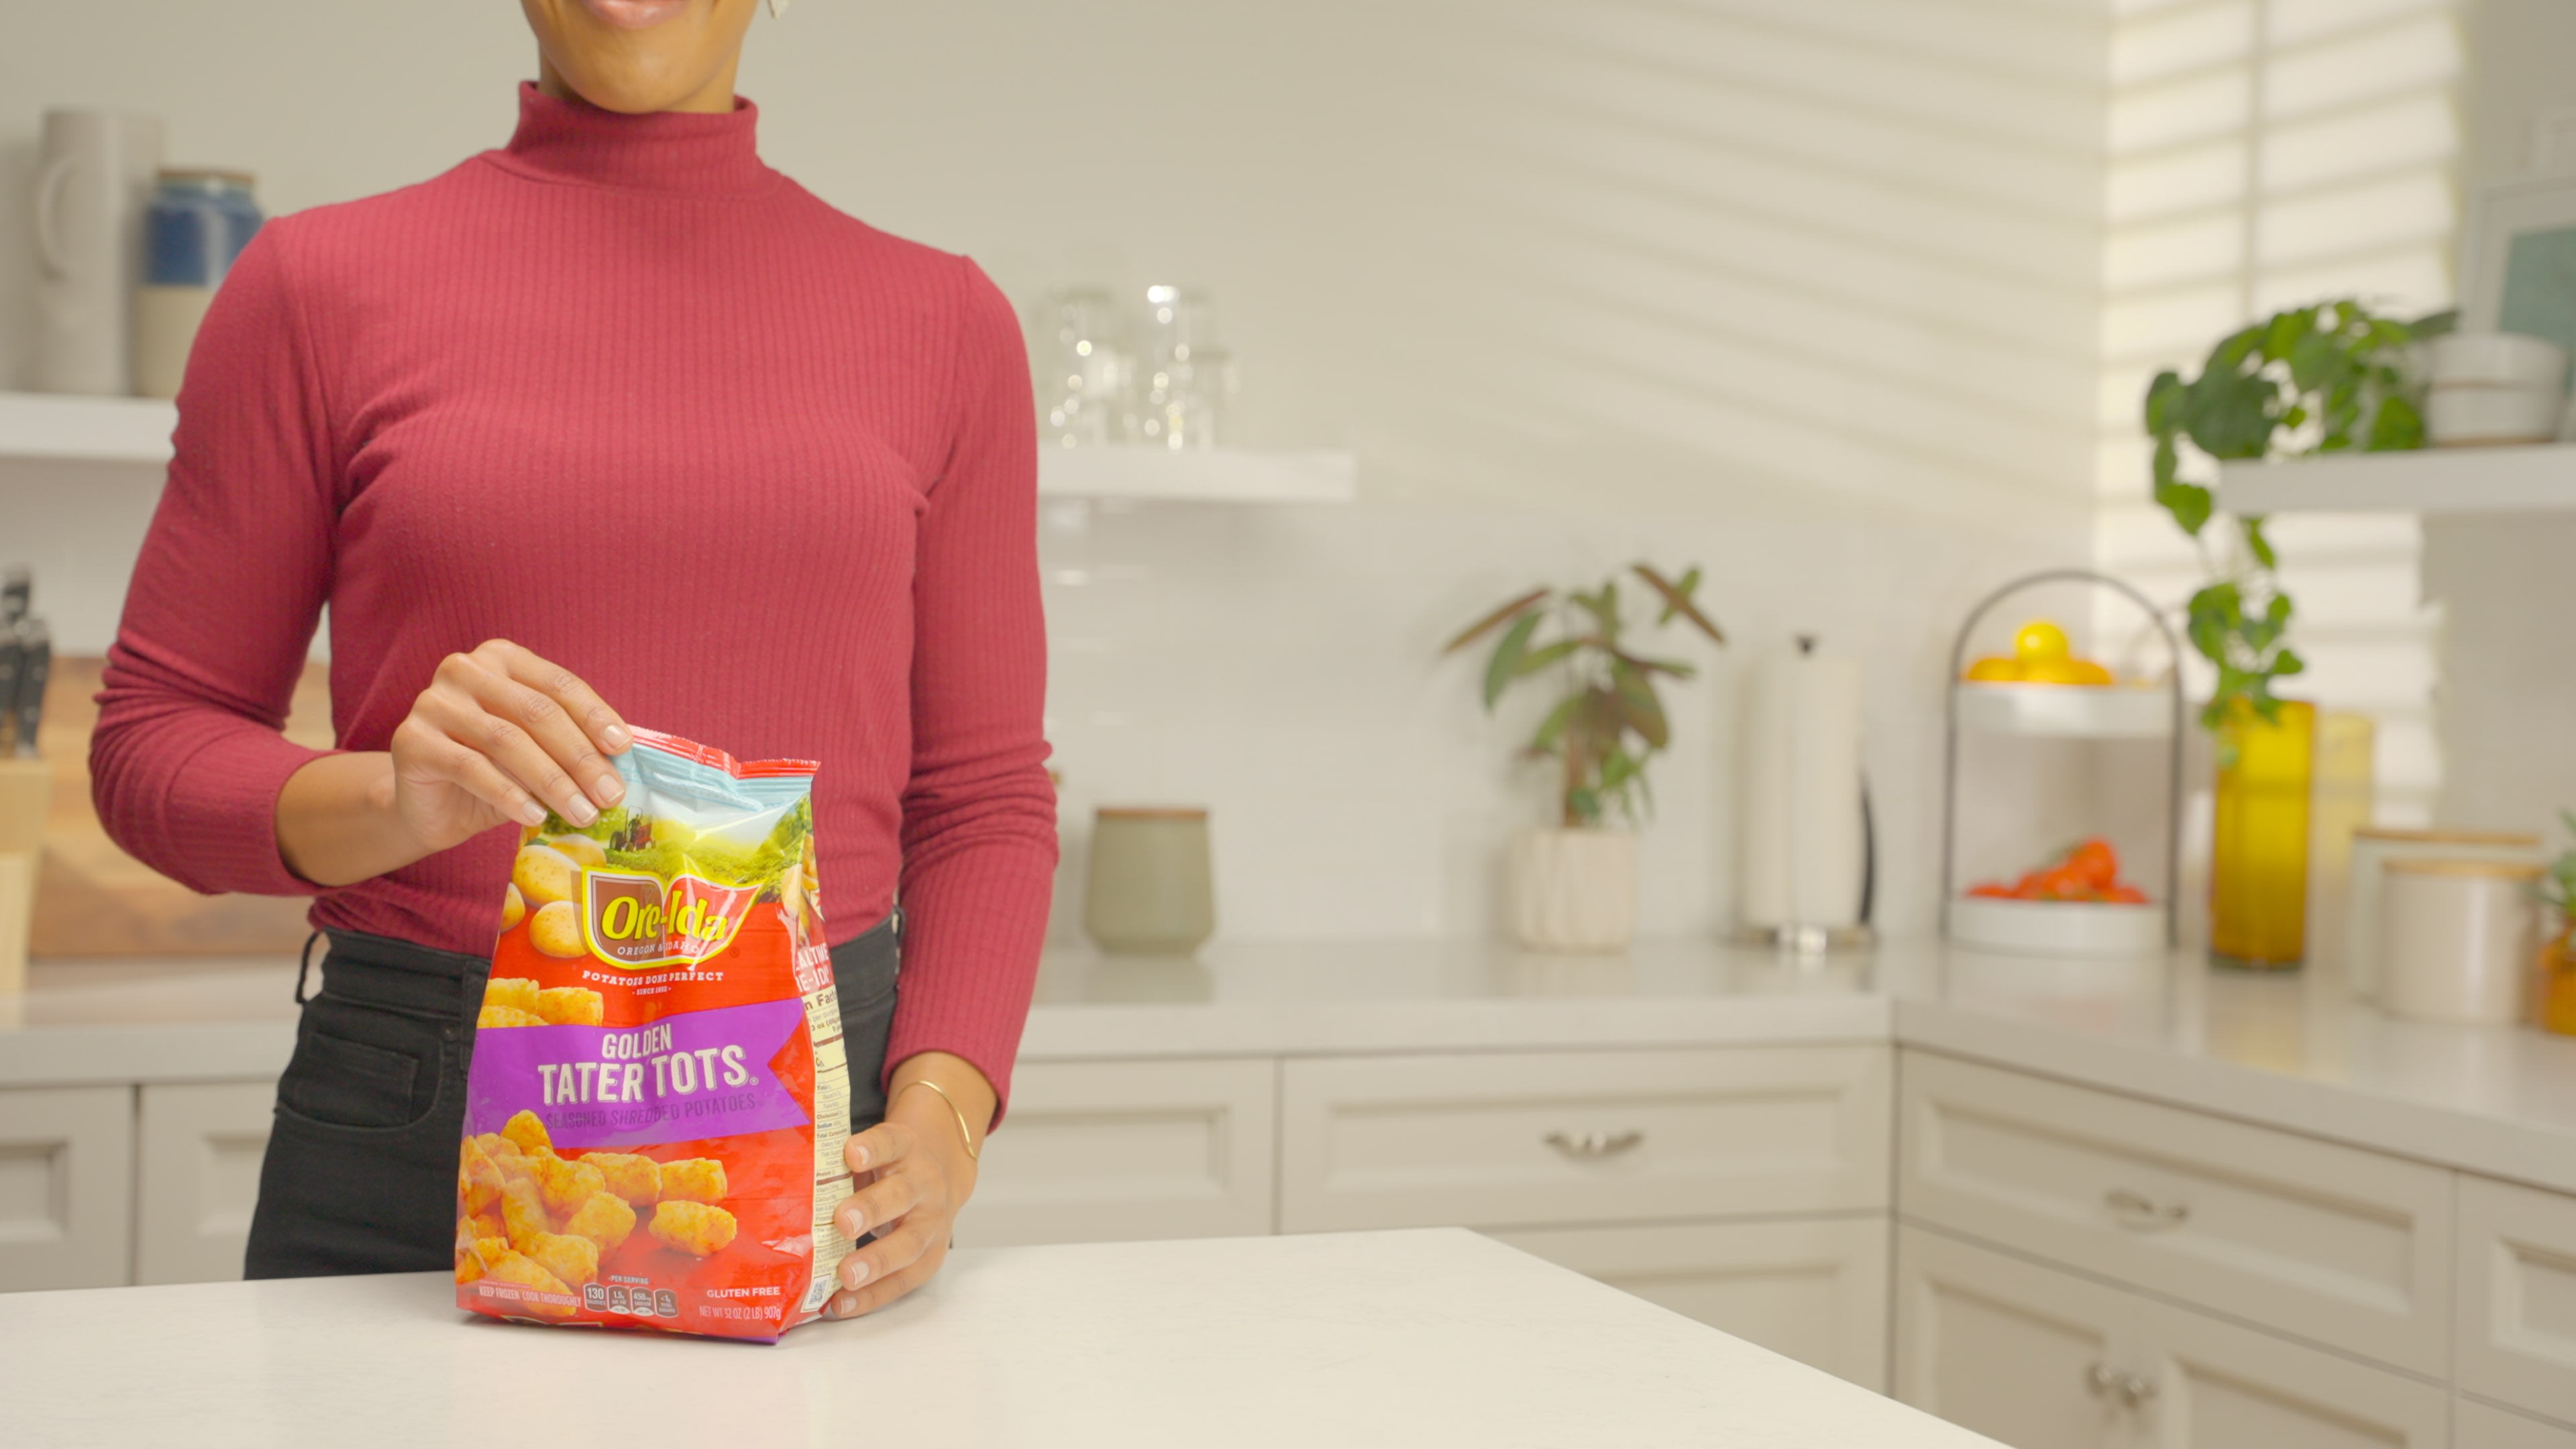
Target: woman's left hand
914, 1174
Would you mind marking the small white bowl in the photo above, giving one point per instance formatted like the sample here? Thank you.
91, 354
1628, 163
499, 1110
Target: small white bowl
2057, 928
2470, 416
2498, 359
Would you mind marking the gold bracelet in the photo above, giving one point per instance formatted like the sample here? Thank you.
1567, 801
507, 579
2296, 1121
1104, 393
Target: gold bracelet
973, 1153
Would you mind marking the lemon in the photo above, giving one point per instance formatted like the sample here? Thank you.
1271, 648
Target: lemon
2056, 671
2091, 673
2038, 640
1995, 670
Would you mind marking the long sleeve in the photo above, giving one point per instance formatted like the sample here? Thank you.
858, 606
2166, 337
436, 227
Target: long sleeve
979, 841
189, 758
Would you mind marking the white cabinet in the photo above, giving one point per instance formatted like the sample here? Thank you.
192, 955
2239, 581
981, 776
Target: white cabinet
1815, 1290
2333, 1244
1543, 1139
197, 1159
66, 1187
2517, 1273
2484, 1426
2017, 1352
2044, 1359
1110, 1151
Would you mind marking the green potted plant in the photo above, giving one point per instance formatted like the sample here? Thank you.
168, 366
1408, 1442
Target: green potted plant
1573, 885
2322, 379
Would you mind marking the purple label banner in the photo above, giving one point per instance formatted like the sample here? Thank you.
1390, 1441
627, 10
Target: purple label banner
697, 1074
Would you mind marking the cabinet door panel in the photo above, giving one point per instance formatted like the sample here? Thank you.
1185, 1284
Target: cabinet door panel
1815, 1289
197, 1172
2517, 1272
2329, 1243
2220, 1385
1544, 1139
66, 1187
1113, 1151
2010, 1349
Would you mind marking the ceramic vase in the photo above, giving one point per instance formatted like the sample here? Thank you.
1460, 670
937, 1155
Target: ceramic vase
1573, 890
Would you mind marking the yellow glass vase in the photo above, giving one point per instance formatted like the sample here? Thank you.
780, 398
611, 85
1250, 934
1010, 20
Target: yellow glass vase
2553, 981
2258, 869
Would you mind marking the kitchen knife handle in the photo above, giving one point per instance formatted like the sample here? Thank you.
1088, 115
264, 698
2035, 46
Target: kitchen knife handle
36, 658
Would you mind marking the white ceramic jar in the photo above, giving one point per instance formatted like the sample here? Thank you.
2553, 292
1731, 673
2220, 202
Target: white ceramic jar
2372, 846
2457, 938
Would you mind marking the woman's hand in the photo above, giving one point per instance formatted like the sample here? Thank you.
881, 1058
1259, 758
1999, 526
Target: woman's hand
498, 738
914, 1173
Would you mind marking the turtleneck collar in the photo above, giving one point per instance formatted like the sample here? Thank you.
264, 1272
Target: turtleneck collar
668, 151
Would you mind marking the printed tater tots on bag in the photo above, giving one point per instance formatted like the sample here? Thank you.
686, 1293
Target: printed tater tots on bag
630, 1175
606, 1219
693, 1227
696, 1179
659, 1047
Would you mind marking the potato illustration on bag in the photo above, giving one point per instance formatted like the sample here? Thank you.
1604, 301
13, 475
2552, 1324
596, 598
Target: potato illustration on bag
545, 875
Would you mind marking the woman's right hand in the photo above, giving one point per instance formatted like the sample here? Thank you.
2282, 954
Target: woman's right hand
500, 737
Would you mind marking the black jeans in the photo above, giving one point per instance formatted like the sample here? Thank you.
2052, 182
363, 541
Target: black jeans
360, 1175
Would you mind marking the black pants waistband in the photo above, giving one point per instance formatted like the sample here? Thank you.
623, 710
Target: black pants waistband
400, 976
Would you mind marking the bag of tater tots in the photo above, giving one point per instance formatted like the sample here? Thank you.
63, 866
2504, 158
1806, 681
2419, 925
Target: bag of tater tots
658, 1098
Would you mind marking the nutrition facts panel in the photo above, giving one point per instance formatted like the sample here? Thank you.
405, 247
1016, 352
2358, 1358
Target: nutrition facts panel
831, 1135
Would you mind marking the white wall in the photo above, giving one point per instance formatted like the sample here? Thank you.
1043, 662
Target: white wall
1805, 292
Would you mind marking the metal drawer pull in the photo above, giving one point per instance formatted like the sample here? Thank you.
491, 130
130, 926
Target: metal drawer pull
2143, 1213
1594, 1144
2135, 1391
2099, 1379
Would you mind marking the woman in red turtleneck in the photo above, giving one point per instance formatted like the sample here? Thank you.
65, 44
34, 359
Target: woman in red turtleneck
613, 423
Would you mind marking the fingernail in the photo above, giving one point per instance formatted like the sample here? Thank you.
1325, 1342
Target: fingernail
845, 1305
853, 1223
579, 811
617, 737
610, 789
532, 812
858, 1155
854, 1271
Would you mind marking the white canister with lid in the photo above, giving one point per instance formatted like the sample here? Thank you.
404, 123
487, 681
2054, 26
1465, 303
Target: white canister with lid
2457, 938
2373, 845
2493, 387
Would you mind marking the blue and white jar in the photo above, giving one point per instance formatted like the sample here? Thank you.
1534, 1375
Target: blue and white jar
193, 231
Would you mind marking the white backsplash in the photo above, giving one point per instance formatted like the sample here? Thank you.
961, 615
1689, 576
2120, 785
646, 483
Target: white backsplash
1280, 666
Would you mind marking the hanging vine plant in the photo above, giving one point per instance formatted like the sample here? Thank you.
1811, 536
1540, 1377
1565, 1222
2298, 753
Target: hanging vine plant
2321, 379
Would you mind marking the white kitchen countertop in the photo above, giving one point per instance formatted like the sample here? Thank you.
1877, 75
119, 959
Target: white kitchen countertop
2287, 1050
1429, 1337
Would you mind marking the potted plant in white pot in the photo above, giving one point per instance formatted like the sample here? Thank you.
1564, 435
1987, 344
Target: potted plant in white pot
1573, 886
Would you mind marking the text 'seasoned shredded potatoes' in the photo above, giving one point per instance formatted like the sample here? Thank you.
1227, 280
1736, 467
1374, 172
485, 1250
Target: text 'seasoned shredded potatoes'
658, 1098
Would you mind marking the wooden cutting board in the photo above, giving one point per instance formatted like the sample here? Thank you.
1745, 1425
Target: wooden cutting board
93, 899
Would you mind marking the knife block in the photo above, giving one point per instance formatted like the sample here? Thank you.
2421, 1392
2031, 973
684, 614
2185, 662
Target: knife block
24, 788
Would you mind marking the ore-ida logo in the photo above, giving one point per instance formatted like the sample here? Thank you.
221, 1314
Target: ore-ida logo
635, 920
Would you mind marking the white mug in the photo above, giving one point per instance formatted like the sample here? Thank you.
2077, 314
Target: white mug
94, 171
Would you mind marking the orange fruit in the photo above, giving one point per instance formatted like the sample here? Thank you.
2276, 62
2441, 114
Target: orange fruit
2054, 671
1994, 669
2091, 673
2038, 640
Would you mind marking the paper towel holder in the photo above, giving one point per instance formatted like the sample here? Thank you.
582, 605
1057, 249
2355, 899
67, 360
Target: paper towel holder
1815, 942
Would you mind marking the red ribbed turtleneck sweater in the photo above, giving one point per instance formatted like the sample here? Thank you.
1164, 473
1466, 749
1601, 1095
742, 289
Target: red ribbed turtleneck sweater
763, 475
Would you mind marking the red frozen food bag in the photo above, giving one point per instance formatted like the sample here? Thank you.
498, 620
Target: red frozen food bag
658, 1097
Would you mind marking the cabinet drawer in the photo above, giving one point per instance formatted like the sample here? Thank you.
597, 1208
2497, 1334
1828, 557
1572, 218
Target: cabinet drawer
1814, 1289
2517, 1319
2484, 1426
1563, 1138
66, 1187
197, 1178
2344, 1247
1104, 1151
